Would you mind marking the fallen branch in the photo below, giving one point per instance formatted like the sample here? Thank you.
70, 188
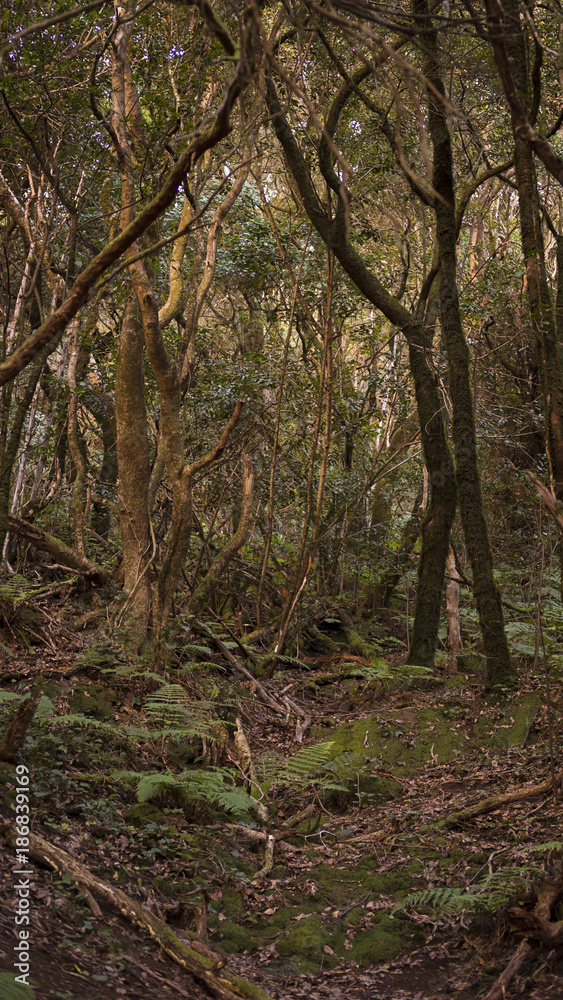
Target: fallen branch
241, 669
268, 859
62, 553
498, 991
495, 801
225, 986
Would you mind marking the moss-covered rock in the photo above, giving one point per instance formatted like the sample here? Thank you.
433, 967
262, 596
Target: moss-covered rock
513, 721
235, 938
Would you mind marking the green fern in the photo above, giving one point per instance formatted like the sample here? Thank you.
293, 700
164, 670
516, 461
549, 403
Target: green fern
152, 785
308, 768
215, 786
15, 590
193, 650
168, 703
306, 762
552, 845
492, 892
6, 696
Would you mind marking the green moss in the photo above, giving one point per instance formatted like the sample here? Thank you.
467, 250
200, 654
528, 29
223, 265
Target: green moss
304, 944
231, 901
93, 699
512, 723
235, 938
340, 885
281, 919
380, 943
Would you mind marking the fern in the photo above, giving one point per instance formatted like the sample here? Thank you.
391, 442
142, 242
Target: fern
552, 845
193, 650
307, 761
15, 590
168, 703
491, 893
216, 787
152, 785
309, 767
6, 696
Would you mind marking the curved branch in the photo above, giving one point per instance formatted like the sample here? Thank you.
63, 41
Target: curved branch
204, 139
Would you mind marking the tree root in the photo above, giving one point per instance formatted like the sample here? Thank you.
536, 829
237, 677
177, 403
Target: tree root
206, 970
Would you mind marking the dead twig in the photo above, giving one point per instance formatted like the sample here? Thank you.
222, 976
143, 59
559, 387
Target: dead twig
498, 991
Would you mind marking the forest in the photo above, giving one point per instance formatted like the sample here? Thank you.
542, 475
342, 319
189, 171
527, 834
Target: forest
281, 499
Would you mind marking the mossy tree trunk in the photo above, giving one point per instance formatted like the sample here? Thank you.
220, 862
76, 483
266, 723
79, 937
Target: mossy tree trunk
500, 670
335, 233
547, 324
134, 474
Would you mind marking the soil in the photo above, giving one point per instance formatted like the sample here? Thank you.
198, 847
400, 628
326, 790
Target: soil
332, 917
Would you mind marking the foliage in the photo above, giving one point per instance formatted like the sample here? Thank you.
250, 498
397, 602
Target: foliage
491, 892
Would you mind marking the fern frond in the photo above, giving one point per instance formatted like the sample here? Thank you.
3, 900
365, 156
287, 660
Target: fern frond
152, 785
552, 845
216, 787
193, 650
493, 891
307, 761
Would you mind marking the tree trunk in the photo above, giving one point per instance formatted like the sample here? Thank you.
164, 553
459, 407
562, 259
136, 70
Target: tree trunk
134, 475
442, 505
500, 671
547, 326
452, 603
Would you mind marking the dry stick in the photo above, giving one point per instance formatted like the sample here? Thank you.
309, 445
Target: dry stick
494, 802
268, 858
250, 655
225, 986
241, 669
498, 991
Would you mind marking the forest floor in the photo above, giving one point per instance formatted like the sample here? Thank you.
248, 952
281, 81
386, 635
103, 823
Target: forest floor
365, 809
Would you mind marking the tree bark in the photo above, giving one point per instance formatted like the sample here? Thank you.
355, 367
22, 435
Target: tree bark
14, 738
57, 549
134, 475
500, 671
